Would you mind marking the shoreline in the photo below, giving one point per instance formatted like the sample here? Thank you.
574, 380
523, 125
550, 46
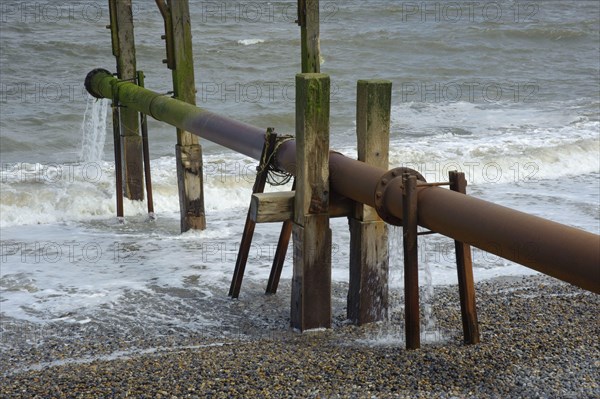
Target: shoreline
539, 338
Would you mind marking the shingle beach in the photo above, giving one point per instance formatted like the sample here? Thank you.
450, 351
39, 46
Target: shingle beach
539, 339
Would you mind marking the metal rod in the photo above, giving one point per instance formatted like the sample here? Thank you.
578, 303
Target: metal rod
118, 164
411, 263
560, 251
146, 152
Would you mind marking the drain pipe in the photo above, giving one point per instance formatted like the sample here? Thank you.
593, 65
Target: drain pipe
561, 251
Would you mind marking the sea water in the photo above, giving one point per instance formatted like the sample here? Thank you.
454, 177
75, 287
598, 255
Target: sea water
507, 92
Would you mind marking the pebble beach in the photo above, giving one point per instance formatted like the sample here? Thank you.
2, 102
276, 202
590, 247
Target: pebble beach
539, 339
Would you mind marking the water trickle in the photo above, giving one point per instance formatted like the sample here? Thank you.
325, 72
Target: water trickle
94, 129
396, 257
429, 331
392, 332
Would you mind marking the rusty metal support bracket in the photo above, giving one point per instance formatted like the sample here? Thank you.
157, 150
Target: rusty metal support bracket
464, 264
411, 262
116, 114
146, 152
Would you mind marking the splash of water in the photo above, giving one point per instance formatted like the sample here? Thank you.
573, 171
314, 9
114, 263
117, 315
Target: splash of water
396, 257
94, 129
392, 332
428, 322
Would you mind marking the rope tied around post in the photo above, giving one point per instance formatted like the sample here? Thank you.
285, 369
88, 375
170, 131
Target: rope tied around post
275, 176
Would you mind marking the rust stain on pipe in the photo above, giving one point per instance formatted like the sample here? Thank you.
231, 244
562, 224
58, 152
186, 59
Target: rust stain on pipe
561, 251
564, 252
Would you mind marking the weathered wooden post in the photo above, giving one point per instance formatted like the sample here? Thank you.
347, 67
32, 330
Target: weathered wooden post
123, 45
369, 266
308, 20
464, 267
258, 187
178, 36
311, 281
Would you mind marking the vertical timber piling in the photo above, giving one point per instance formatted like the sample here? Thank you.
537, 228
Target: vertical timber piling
311, 281
121, 26
368, 291
308, 20
178, 36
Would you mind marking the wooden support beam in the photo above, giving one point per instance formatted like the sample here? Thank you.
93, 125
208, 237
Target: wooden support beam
279, 207
308, 19
311, 281
282, 246
180, 60
121, 25
246, 242
279, 258
411, 263
369, 265
272, 207
464, 267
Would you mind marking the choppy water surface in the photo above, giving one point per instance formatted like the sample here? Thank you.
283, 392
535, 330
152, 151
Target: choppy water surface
505, 91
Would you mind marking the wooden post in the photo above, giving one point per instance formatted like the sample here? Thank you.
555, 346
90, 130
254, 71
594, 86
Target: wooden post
188, 151
311, 281
279, 258
464, 266
411, 263
246, 242
308, 19
281, 251
121, 25
369, 266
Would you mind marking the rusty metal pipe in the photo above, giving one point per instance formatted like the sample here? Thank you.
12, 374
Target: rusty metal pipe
560, 251
563, 252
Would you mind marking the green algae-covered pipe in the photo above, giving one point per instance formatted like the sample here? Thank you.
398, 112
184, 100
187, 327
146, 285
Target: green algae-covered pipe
561, 251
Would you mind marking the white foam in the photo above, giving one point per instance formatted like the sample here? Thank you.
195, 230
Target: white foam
250, 42
72, 206
493, 145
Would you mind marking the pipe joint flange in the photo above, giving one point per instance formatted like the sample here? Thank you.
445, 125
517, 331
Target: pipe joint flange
385, 182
